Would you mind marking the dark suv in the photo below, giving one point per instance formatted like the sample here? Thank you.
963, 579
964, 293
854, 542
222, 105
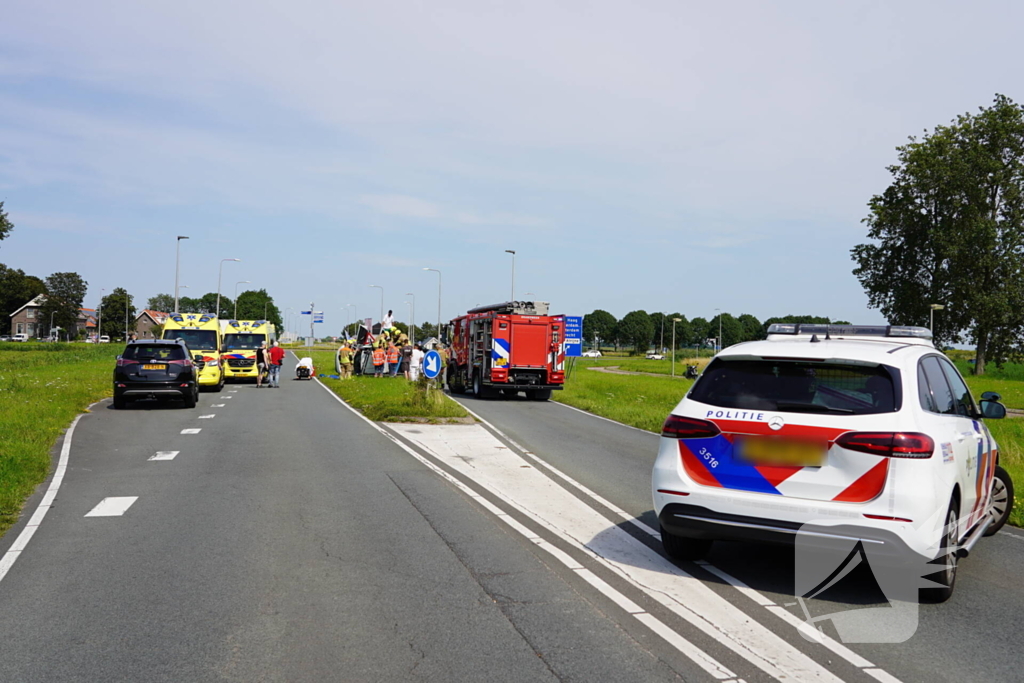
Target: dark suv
155, 368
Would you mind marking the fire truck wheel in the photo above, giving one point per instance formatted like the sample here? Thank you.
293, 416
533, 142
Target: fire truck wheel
539, 394
478, 386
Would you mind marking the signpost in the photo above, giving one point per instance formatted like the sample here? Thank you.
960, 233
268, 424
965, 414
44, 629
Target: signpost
573, 336
431, 364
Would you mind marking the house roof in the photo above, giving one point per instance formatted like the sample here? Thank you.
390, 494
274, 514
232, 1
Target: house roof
156, 316
37, 301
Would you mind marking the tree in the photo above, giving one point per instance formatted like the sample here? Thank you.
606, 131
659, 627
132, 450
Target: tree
636, 329
252, 305
660, 322
751, 327
732, 331
115, 309
65, 293
950, 230
16, 290
699, 331
163, 303
189, 305
600, 325
5, 224
684, 332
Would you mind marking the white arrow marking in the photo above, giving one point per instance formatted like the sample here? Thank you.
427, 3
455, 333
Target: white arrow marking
112, 507
432, 364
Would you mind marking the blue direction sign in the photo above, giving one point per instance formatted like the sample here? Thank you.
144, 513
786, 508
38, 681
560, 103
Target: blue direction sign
431, 364
305, 312
318, 316
573, 336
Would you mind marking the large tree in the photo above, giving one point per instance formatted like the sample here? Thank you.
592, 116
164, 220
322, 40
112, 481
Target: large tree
599, 325
949, 230
731, 329
65, 293
162, 302
5, 223
16, 290
118, 313
751, 326
636, 329
254, 304
700, 331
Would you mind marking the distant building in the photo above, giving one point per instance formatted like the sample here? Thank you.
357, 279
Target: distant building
147, 322
29, 320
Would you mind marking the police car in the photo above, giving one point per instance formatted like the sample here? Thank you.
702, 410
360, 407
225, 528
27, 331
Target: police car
836, 433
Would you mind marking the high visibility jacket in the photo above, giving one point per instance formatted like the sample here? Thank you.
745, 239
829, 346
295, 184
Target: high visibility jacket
392, 354
345, 355
378, 356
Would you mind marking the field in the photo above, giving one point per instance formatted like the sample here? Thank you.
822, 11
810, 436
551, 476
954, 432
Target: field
644, 401
386, 399
42, 388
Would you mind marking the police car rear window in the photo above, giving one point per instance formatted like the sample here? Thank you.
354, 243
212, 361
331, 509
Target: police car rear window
143, 352
797, 386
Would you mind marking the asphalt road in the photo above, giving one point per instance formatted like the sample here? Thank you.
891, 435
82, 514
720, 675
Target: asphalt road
289, 541
971, 637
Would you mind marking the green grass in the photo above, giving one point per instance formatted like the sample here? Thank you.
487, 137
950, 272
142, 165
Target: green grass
42, 388
388, 399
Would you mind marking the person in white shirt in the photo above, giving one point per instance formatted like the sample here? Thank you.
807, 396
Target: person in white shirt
388, 322
417, 363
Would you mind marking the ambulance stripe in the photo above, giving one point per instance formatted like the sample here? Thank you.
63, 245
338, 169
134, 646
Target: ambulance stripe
867, 485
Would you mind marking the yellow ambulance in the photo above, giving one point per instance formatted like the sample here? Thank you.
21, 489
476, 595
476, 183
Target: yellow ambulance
239, 341
202, 335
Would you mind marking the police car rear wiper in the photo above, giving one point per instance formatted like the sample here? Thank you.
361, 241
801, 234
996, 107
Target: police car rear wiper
809, 408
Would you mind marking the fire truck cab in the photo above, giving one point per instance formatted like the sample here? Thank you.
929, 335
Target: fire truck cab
507, 348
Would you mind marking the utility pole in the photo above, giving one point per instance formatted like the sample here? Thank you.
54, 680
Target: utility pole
507, 251
412, 325
177, 263
674, 321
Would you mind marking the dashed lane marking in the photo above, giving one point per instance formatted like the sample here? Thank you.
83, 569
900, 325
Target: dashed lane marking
207, 417
114, 506
165, 455
194, 430
217, 405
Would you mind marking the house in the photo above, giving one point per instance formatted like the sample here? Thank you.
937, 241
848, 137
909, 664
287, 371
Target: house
29, 320
147, 321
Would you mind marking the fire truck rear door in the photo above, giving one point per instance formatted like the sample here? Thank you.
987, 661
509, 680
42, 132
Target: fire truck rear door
529, 345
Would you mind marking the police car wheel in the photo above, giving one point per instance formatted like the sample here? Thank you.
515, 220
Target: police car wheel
1002, 500
947, 559
679, 548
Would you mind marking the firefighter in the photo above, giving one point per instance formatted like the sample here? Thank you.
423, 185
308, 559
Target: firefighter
393, 356
345, 361
378, 360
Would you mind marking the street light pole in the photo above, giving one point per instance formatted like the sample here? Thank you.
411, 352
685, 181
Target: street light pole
381, 304
720, 344
177, 263
240, 282
513, 252
220, 273
931, 316
99, 329
438, 301
51, 324
412, 314
674, 321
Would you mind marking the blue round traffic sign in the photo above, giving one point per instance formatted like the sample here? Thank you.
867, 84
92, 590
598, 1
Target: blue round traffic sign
431, 364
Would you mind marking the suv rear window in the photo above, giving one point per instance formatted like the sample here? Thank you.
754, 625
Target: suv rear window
154, 352
797, 386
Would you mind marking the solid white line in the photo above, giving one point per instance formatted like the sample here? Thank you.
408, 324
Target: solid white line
881, 675
710, 665
207, 417
114, 506
606, 419
225, 397
12, 554
762, 600
165, 455
194, 430
217, 405
1007, 533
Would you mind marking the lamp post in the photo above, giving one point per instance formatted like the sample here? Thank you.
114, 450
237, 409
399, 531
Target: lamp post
438, 301
674, 321
381, 319
265, 305
412, 316
177, 263
718, 345
287, 314
355, 315
99, 328
51, 324
240, 282
931, 316
220, 273
513, 252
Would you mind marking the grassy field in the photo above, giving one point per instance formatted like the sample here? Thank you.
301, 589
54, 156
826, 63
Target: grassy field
644, 402
389, 400
42, 388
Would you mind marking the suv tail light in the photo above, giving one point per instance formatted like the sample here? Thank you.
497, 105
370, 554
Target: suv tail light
677, 427
123, 363
889, 444
185, 363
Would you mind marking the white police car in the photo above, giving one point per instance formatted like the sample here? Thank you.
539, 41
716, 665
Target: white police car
837, 432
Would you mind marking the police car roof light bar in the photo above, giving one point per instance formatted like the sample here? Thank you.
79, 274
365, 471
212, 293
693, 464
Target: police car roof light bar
850, 330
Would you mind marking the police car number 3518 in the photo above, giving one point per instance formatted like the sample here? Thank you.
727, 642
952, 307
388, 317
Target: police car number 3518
840, 434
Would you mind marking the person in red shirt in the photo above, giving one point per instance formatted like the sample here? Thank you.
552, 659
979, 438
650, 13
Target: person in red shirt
276, 355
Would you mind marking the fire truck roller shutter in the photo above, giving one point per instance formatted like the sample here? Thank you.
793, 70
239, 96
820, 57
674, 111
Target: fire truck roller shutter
529, 345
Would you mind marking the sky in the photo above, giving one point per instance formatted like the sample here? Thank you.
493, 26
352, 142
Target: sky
657, 155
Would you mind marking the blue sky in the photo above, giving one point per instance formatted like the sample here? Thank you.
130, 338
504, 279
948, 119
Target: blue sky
656, 155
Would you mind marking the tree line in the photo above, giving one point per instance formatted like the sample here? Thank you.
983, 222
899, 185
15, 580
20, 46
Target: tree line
640, 330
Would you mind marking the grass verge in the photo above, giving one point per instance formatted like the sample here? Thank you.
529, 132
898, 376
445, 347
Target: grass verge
42, 388
644, 402
389, 400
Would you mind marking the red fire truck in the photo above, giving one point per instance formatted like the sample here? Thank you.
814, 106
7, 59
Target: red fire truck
507, 348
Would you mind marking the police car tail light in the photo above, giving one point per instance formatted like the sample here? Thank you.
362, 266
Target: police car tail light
677, 427
889, 444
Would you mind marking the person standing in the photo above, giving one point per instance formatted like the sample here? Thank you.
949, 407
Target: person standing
406, 357
345, 361
388, 321
393, 359
261, 364
417, 362
378, 360
276, 357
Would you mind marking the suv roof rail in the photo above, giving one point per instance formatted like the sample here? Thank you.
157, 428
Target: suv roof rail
890, 331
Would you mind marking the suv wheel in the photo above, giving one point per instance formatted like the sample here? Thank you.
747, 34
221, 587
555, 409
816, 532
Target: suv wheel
1001, 502
192, 397
120, 403
948, 547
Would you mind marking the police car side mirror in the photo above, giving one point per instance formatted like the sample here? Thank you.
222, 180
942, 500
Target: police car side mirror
993, 410
991, 396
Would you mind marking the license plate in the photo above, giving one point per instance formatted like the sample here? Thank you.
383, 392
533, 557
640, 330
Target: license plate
781, 452
154, 367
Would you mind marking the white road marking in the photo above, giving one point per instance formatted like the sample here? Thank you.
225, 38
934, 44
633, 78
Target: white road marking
615, 422
762, 600
194, 430
112, 507
217, 405
469, 450
688, 649
165, 455
1007, 533
14, 552
881, 675
207, 417
225, 397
